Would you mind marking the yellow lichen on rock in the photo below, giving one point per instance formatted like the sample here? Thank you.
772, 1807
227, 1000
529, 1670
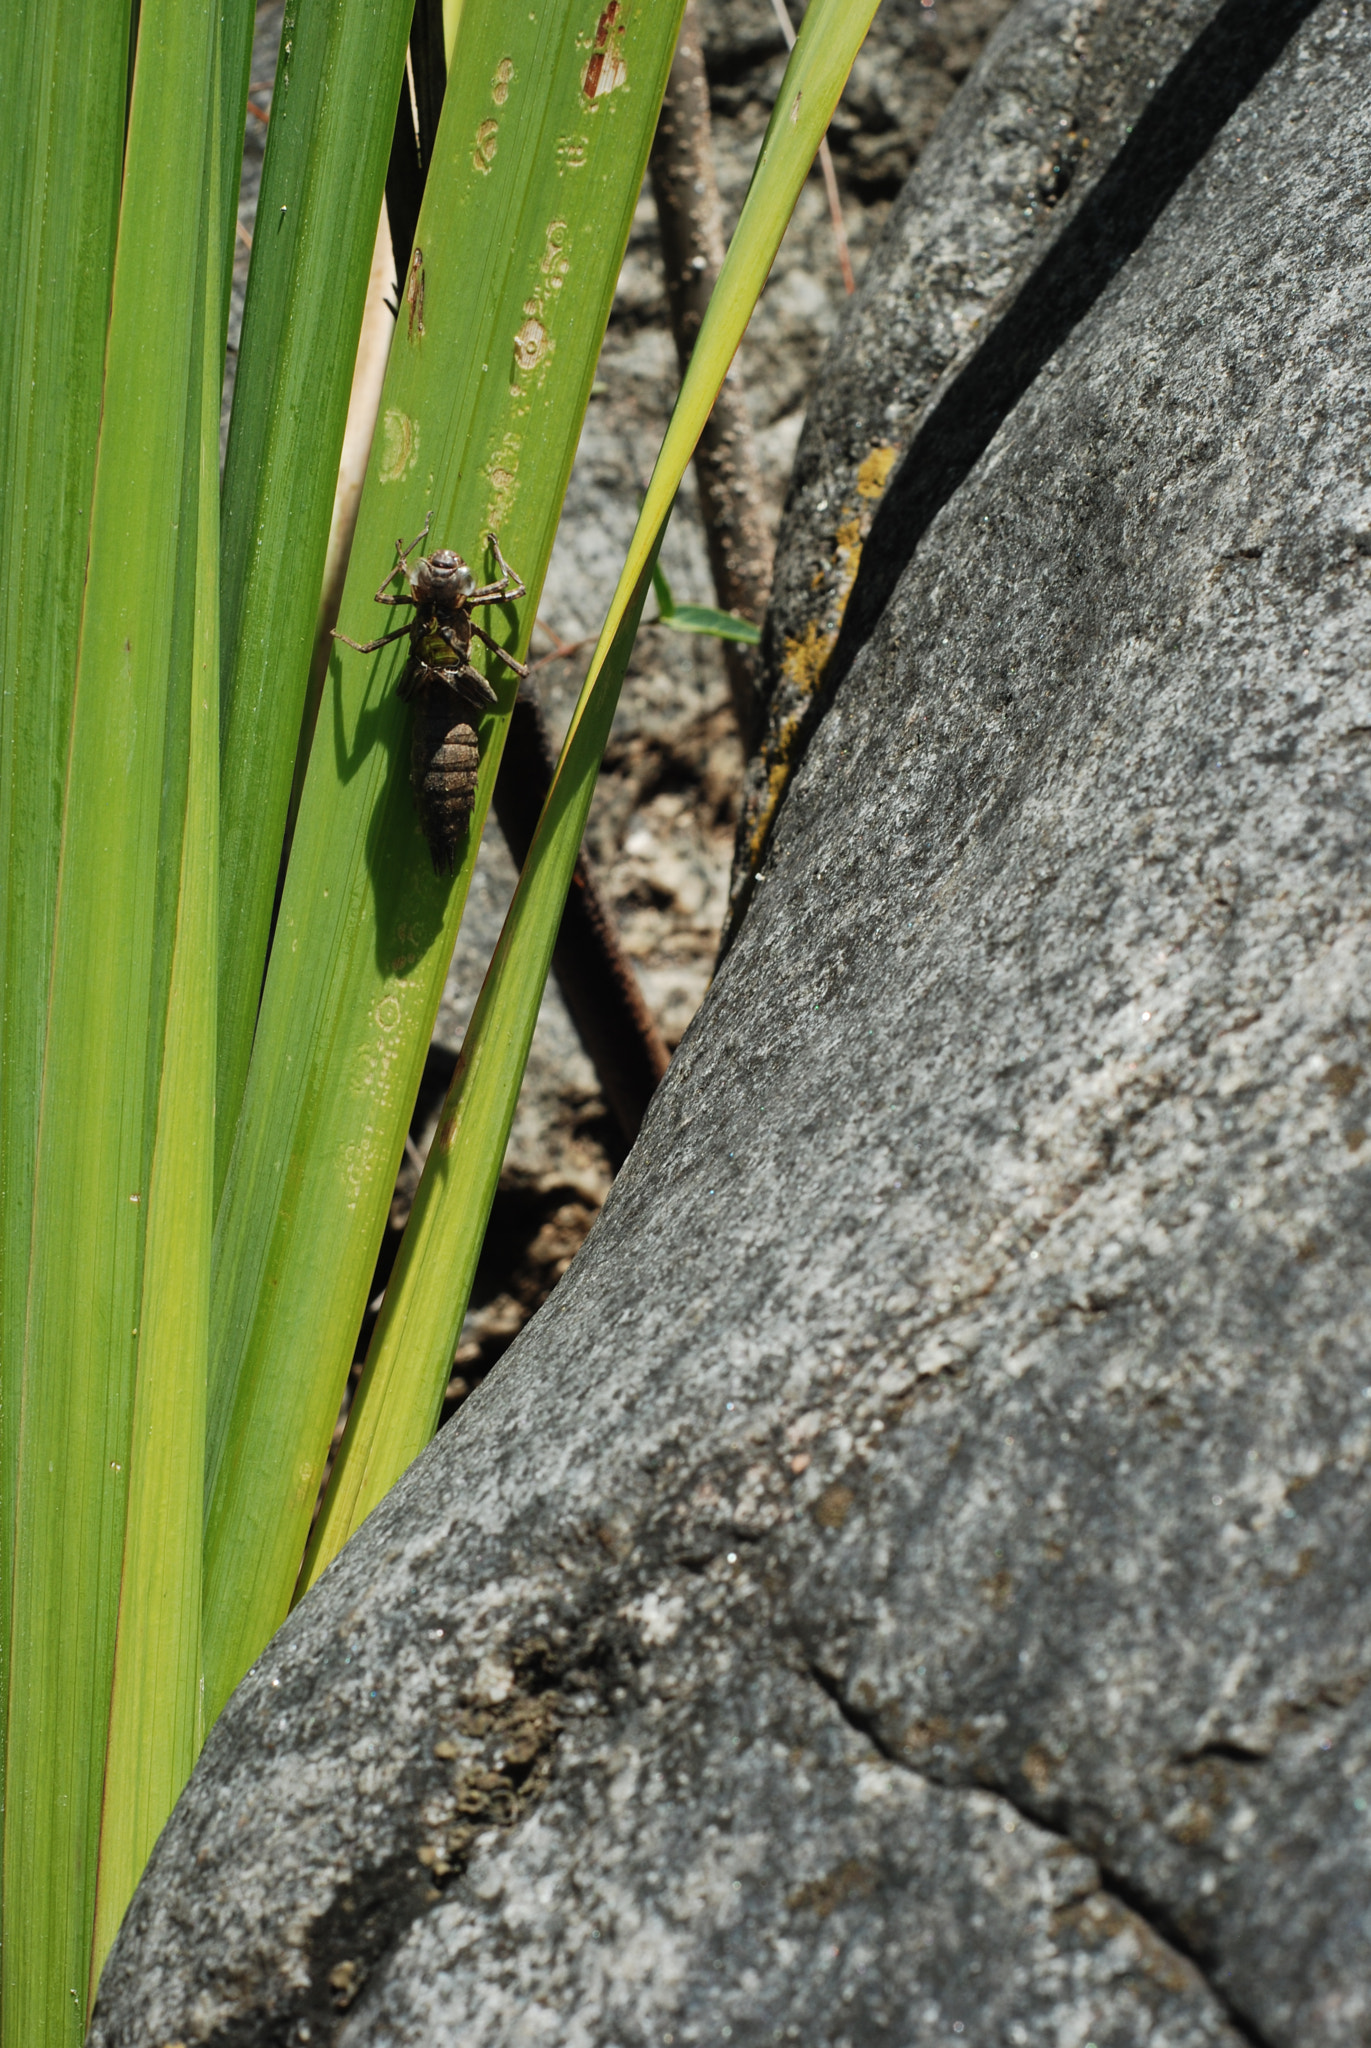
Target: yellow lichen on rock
805, 659
778, 775
874, 472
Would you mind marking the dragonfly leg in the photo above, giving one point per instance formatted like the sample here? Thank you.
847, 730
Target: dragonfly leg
402, 566
405, 552
511, 583
370, 646
496, 648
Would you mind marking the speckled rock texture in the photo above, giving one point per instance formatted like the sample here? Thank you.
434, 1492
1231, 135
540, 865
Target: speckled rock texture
1074, 129
909, 1584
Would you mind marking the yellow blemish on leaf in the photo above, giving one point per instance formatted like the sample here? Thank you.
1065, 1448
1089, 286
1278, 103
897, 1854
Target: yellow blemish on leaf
503, 473
531, 343
572, 152
795, 110
399, 445
503, 79
874, 472
483, 156
554, 262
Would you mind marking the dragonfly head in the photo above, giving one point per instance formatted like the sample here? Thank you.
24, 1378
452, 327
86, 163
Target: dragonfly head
444, 576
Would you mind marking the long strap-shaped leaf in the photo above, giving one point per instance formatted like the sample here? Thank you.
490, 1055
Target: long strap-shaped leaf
114, 932
411, 1350
63, 89
545, 130
337, 81
156, 1722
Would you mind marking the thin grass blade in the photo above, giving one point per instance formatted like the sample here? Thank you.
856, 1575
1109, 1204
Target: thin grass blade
544, 136
111, 963
704, 618
395, 1410
337, 83
425, 1302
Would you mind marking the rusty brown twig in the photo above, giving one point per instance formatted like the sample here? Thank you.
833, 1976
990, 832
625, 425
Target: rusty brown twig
690, 221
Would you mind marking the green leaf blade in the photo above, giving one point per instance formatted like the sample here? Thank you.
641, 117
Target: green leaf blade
528, 206
338, 79
111, 960
156, 1721
704, 618
63, 89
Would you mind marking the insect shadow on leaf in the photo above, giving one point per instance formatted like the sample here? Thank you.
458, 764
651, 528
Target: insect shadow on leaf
447, 693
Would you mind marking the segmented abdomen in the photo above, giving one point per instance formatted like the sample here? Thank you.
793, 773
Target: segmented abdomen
444, 758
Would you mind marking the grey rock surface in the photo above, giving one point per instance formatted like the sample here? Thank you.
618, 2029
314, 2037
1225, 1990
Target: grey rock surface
1043, 118
908, 1584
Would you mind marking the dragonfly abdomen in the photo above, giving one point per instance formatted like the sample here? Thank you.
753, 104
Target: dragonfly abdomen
444, 759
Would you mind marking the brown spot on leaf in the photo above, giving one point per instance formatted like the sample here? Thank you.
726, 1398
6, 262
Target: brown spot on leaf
531, 343
414, 292
605, 68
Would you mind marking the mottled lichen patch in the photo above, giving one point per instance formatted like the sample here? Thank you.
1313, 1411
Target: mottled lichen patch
833, 1506
501, 1751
